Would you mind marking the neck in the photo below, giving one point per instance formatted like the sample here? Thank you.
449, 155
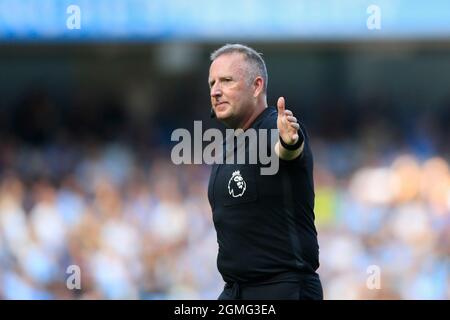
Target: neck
252, 118
257, 110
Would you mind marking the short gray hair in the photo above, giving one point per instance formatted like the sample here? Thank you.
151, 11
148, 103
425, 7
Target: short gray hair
257, 66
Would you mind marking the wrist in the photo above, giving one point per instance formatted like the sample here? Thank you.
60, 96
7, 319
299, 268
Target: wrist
291, 147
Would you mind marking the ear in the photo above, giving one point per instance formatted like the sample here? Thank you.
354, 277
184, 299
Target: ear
258, 86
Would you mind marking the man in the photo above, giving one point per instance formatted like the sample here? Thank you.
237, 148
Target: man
265, 223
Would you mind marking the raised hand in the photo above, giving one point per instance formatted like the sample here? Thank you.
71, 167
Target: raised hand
287, 123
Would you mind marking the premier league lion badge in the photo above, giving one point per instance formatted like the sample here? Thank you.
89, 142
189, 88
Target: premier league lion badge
236, 185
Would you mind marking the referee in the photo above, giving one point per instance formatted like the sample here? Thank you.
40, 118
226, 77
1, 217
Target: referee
267, 239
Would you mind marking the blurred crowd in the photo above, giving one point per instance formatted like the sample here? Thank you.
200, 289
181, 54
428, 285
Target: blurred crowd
135, 230
140, 227
384, 232
143, 229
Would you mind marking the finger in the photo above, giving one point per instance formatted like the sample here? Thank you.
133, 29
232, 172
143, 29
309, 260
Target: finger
292, 119
288, 113
295, 125
280, 106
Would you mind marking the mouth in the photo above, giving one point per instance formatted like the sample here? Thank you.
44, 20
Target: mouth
221, 106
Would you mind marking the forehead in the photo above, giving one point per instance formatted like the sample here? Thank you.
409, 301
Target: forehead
228, 63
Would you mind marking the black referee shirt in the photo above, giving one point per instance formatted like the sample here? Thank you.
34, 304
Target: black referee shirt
265, 223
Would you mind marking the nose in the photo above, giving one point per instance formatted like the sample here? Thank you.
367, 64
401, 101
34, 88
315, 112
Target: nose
216, 92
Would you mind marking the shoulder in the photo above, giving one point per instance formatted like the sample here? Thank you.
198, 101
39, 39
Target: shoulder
269, 119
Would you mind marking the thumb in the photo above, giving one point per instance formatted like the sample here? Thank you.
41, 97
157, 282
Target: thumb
280, 106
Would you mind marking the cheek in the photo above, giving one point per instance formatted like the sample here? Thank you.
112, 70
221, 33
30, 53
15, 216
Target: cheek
237, 96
